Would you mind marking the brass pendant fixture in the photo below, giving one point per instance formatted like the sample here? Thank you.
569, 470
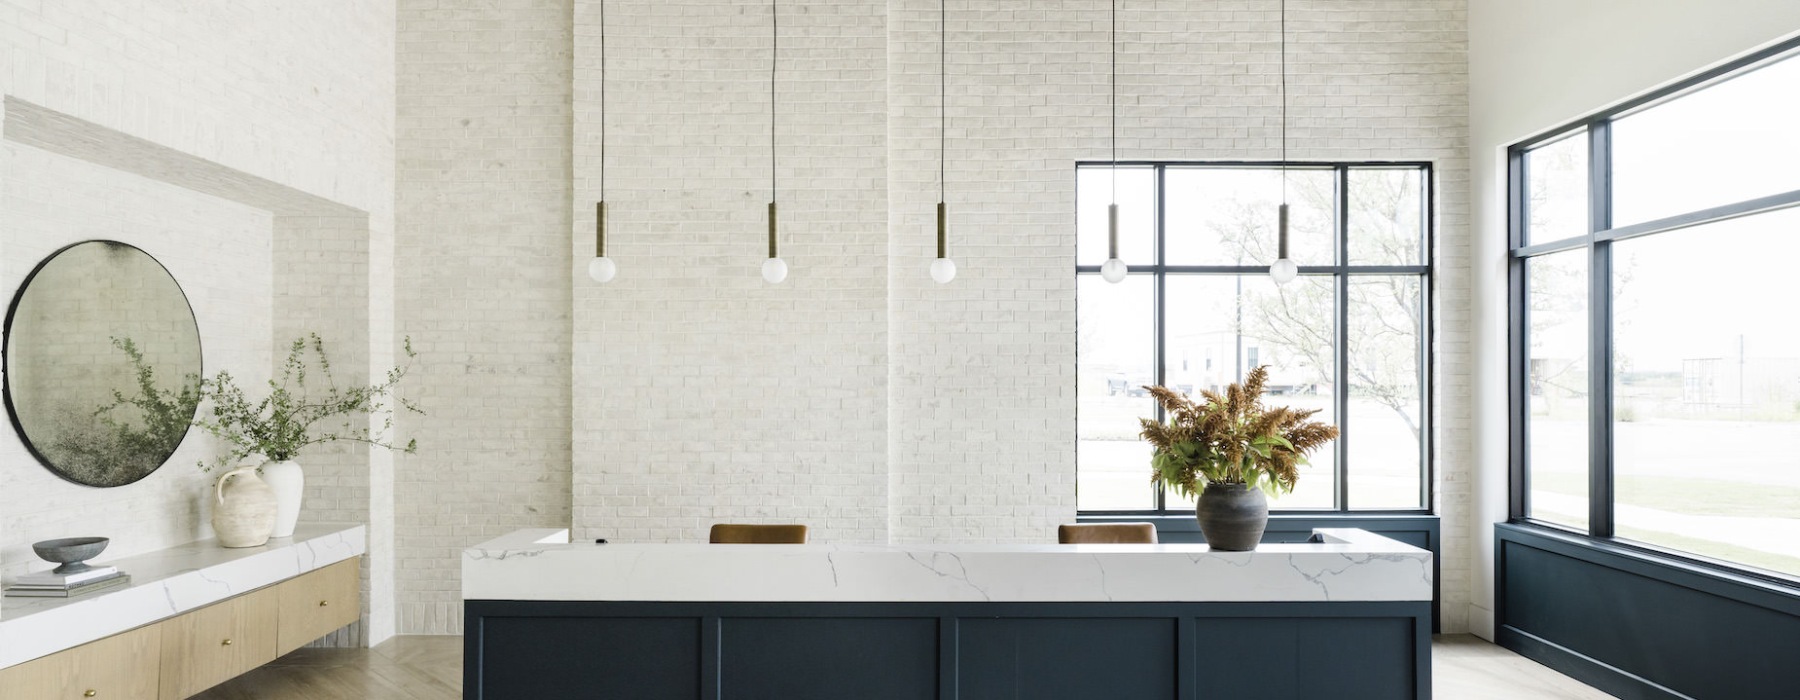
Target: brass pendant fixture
774, 270
943, 269
602, 269
1283, 270
1114, 269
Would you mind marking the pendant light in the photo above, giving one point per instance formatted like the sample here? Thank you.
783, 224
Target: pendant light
943, 269
1284, 270
1114, 269
602, 268
774, 270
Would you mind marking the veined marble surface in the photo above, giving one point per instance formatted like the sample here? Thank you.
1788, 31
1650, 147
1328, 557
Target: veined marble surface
1350, 565
168, 582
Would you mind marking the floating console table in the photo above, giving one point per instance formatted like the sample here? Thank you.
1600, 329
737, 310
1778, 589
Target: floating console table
1346, 617
193, 616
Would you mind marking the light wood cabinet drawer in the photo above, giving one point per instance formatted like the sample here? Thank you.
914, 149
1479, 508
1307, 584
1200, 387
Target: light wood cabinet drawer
318, 603
211, 645
120, 667
184, 655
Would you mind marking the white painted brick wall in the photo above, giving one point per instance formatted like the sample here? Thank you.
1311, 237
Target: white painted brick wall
982, 400
703, 394
482, 263
217, 250
322, 286
858, 396
978, 411
299, 94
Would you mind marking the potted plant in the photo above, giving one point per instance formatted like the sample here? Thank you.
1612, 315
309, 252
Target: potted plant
1231, 450
295, 415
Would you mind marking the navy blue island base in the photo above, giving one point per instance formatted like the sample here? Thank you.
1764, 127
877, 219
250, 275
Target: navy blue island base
947, 651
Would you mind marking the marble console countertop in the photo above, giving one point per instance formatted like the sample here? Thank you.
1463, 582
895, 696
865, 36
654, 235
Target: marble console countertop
168, 582
1350, 565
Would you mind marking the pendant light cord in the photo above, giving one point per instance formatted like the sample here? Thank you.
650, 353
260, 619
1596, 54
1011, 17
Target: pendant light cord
603, 100
774, 54
600, 206
1112, 53
943, 99
1284, 101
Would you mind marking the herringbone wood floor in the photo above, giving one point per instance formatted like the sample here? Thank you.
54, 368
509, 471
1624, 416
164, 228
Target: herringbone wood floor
402, 668
430, 668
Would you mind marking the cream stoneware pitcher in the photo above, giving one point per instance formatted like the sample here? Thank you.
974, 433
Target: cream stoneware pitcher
243, 509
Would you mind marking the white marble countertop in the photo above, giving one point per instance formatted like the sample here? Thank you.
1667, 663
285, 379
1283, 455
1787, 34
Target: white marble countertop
1350, 565
167, 582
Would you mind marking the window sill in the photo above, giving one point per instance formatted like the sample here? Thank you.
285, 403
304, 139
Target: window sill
1673, 567
1185, 522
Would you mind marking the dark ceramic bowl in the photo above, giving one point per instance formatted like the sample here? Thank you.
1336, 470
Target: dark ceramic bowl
70, 552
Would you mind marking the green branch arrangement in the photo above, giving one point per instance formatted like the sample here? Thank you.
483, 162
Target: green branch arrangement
166, 414
131, 436
1231, 438
295, 415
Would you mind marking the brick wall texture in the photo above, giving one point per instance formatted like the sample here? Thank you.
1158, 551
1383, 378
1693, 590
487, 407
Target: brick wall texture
483, 278
218, 250
704, 394
858, 396
250, 148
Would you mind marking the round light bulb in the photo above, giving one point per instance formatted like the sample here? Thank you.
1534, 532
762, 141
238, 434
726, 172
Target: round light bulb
774, 270
943, 270
1284, 271
602, 269
1113, 271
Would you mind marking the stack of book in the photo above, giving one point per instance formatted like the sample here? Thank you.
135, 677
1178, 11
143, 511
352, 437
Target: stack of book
45, 584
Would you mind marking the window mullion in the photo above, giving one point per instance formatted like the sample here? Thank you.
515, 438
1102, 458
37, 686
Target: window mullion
1427, 335
1600, 365
1519, 502
1338, 273
1158, 293
1341, 354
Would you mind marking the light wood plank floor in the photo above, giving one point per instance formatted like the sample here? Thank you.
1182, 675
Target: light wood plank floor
1466, 667
430, 668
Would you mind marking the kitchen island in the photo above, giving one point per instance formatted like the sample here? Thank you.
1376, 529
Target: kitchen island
1346, 616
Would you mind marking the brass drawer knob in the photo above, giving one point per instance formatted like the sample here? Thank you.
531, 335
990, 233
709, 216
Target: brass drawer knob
324, 603
227, 642
90, 693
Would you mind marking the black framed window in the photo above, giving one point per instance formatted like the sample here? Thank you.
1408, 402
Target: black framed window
1655, 354
1198, 310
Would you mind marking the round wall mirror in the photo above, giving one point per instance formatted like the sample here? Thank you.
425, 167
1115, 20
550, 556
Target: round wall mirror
102, 363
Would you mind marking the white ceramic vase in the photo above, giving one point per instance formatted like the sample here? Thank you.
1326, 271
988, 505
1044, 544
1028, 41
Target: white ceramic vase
289, 482
243, 509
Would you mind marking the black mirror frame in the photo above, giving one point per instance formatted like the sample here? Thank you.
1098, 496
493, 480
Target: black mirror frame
6, 392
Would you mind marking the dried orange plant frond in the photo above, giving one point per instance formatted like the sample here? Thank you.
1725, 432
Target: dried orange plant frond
1231, 438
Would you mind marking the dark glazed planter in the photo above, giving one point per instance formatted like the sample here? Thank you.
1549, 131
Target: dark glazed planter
1232, 516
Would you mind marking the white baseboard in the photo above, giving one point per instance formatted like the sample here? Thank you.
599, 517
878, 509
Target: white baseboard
1481, 622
